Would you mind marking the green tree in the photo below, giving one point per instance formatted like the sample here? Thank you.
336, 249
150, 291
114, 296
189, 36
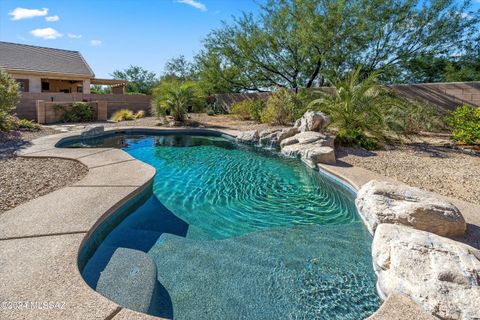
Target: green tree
179, 68
174, 97
98, 89
214, 75
355, 104
9, 97
139, 79
303, 43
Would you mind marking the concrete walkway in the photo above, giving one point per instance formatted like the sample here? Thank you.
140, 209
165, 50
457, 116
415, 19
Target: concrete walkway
40, 239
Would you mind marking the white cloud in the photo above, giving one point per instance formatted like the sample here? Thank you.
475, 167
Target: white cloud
22, 13
52, 18
195, 4
46, 33
95, 42
74, 36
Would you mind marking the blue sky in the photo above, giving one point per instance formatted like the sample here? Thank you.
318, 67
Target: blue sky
115, 34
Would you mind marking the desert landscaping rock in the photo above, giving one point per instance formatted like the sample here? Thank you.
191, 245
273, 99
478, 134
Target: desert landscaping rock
249, 137
311, 153
25, 179
440, 274
306, 137
312, 121
274, 137
92, 131
387, 202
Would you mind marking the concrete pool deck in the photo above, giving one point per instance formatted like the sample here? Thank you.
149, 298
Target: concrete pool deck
40, 240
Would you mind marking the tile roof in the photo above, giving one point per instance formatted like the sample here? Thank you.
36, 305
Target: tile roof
32, 58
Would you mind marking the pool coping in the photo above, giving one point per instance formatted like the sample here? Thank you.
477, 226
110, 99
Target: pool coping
68, 240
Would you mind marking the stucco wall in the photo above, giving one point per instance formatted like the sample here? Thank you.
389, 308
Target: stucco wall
27, 105
34, 82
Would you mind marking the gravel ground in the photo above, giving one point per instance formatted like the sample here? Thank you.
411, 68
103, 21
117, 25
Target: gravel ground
25, 179
197, 120
434, 168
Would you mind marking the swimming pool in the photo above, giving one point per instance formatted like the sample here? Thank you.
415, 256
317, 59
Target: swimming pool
240, 232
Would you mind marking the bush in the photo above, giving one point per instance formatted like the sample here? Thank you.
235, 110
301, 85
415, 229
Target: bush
465, 122
248, 109
175, 98
406, 117
210, 112
78, 112
9, 97
122, 115
139, 114
352, 137
281, 108
27, 125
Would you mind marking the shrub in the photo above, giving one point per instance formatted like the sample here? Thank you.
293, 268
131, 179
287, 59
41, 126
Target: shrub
27, 125
139, 114
9, 97
352, 137
465, 122
407, 117
78, 112
174, 98
248, 109
122, 115
281, 108
210, 112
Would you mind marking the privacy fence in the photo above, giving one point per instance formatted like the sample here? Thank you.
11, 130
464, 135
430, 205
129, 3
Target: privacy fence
444, 96
27, 107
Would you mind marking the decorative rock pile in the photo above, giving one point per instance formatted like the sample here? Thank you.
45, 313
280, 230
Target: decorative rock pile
303, 140
412, 256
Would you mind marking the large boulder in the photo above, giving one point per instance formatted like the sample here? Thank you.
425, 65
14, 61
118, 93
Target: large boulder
387, 202
308, 137
287, 133
440, 274
92, 131
273, 137
312, 121
250, 137
311, 153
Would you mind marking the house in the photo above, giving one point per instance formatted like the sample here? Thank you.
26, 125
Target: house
41, 69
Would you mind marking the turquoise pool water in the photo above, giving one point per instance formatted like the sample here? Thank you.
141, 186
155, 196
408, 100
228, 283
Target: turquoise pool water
241, 233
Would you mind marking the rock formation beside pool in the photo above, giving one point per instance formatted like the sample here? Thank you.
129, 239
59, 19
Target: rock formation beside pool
440, 274
249, 137
303, 140
91, 131
312, 147
387, 202
312, 121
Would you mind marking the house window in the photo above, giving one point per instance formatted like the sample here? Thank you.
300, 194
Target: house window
45, 86
22, 85
80, 89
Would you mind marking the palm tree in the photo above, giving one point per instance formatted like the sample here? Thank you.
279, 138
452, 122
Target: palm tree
174, 97
356, 104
